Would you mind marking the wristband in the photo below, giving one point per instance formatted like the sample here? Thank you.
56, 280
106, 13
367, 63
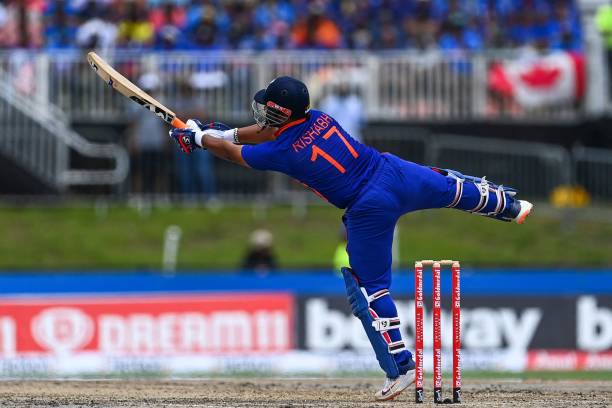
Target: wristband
198, 138
231, 135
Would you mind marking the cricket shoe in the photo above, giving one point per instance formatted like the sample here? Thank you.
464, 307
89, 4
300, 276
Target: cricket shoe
526, 207
393, 388
519, 210
516, 210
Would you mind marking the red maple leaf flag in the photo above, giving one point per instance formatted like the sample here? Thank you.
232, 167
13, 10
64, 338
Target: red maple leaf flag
549, 80
541, 76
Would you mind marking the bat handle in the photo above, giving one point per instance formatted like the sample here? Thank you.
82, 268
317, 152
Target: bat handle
177, 123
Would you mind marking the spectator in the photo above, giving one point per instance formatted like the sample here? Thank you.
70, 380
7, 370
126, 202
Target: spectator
458, 31
494, 36
23, 24
4, 21
520, 30
168, 14
203, 30
422, 22
273, 20
540, 31
136, 31
565, 27
361, 37
386, 30
355, 23
169, 22
242, 29
345, 105
61, 30
148, 142
282, 24
96, 31
260, 255
196, 172
341, 257
271, 12
316, 30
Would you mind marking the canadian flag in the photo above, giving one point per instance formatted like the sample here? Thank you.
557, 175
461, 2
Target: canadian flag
541, 81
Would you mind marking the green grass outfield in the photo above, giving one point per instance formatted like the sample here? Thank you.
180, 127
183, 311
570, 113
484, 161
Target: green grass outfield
82, 236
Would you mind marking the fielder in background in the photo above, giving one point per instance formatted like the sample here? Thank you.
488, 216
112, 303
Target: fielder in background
376, 189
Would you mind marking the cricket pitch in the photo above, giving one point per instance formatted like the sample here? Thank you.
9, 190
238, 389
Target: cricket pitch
290, 393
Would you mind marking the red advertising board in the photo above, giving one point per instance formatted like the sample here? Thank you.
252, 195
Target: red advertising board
572, 360
147, 325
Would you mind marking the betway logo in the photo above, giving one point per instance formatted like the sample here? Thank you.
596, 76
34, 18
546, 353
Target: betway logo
594, 329
483, 327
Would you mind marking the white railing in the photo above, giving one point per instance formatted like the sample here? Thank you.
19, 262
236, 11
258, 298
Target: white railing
37, 137
593, 171
535, 169
394, 86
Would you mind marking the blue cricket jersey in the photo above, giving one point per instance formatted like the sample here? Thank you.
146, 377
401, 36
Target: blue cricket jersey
317, 152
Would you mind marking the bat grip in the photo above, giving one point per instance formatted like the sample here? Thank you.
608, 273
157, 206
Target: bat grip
177, 123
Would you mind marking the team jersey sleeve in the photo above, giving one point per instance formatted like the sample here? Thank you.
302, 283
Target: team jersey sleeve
261, 157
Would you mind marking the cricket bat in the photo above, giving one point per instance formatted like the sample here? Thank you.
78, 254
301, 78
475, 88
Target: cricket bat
125, 87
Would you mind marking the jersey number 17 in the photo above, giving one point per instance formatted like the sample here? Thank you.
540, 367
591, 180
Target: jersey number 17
317, 151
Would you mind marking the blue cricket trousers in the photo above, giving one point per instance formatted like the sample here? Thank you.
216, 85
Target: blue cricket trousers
397, 187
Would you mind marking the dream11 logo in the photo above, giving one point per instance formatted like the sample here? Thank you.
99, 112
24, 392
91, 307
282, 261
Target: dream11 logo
62, 329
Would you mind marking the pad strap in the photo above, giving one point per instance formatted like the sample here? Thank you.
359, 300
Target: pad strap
397, 347
501, 201
500, 194
458, 191
375, 295
483, 188
376, 328
383, 324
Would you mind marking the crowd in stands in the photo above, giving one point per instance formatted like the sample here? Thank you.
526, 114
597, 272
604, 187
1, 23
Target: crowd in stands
289, 24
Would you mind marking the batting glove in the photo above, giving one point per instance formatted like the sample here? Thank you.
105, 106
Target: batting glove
191, 137
217, 130
185, 138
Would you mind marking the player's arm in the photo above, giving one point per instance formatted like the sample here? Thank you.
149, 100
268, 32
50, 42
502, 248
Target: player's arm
254, 134
224, 150
208, 136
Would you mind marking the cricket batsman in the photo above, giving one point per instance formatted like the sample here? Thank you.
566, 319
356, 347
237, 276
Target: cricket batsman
374, 188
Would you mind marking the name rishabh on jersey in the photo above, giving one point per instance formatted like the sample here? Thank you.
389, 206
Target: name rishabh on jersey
317, 152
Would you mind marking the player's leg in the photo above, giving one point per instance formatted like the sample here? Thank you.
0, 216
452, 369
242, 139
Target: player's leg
370, 229
479, 196
426, 187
